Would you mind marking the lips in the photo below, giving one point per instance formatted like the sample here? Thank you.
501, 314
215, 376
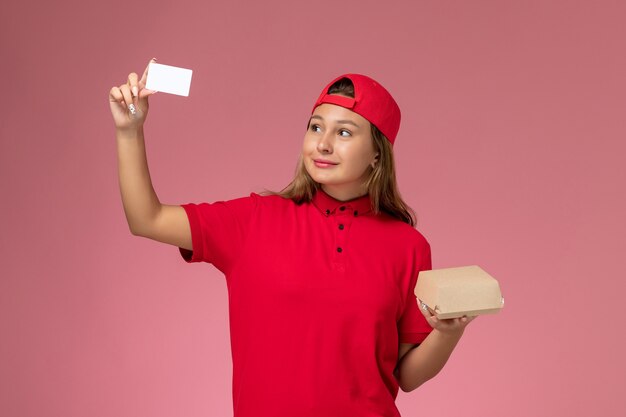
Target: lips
323, 161
324, 164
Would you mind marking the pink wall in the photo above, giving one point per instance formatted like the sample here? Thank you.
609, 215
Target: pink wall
511, 151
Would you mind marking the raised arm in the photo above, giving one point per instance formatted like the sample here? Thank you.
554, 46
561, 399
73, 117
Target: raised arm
145, 214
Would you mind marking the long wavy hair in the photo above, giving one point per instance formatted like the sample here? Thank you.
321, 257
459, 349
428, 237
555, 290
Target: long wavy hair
381, 183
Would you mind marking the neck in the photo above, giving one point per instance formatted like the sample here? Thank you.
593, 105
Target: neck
343, 194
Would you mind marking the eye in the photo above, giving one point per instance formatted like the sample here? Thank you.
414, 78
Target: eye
345, 133
314, 127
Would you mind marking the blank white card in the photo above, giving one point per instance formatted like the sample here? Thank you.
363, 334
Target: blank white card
168, 79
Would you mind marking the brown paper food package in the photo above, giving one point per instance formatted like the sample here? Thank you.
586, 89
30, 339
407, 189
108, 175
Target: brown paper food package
455, 292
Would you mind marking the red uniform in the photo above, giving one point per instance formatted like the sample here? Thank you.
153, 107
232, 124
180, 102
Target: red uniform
320, 296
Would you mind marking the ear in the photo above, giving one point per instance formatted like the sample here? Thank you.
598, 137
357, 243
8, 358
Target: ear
375, 161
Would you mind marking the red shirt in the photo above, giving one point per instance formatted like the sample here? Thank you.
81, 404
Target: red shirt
320, 295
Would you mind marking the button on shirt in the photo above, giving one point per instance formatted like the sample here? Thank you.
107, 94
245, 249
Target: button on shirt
320, 296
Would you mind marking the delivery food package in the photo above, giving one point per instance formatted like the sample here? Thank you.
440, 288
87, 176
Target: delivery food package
460, 291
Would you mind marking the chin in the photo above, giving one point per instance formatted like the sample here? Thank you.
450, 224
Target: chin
313, 174
319, 178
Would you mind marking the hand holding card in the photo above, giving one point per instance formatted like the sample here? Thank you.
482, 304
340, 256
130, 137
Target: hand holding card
169, 79
129, 101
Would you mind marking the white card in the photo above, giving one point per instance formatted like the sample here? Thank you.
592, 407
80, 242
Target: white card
168, 79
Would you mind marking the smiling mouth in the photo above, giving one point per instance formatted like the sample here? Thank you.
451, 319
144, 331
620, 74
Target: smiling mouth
321, 164
317, 161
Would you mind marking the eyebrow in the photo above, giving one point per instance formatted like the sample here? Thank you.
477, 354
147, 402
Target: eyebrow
345, 122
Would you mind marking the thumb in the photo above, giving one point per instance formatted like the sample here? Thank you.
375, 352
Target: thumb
146, 93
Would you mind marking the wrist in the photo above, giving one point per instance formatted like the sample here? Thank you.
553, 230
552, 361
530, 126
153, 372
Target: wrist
130, 133
451, 335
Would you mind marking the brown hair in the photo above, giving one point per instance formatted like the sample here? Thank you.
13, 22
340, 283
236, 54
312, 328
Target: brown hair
381, 183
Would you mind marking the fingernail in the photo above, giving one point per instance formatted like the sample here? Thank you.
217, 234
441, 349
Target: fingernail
135, 91
131, 107
154, 59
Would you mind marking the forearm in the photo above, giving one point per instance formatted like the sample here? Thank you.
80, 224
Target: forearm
425, 361
139, 199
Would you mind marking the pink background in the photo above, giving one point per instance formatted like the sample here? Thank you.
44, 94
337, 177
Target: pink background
511, 151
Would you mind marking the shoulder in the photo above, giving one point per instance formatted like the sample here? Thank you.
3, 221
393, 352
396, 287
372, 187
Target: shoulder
275, 205
403, 232
271, 199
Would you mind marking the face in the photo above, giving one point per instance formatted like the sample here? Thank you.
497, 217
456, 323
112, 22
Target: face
338, 151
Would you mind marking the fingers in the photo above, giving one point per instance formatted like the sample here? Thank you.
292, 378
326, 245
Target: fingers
426, 311
467, 319
132, 95
122, 96
433, 319
443, 324
118, 95
125, 90
133, 84
144, 77
144, 92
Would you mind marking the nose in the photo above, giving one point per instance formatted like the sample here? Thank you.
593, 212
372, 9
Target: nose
324, 145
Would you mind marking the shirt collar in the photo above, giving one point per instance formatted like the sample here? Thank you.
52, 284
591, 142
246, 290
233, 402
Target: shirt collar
329, 205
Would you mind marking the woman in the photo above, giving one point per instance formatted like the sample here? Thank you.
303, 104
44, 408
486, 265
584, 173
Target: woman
320, 276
